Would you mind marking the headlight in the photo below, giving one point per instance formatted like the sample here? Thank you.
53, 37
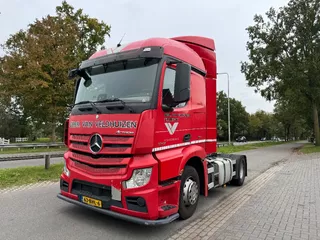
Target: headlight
66, 170
139, 178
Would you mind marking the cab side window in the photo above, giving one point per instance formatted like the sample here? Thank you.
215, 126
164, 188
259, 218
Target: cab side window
168, 87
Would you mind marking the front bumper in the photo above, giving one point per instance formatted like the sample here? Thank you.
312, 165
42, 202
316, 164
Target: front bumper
159, 202
123, 216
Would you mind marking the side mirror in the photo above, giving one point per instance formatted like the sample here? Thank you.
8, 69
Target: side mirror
182, 83
73, 73
78, 72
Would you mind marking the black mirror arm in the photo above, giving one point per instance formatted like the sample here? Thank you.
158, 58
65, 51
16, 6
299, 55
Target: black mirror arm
167, 108
79, 72
171, 62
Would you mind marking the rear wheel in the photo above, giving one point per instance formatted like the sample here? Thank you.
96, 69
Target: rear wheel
241, 174
189, 192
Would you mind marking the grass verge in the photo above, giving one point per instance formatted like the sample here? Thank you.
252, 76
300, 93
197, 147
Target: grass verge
31, 150
24, 175
310, 148
246, 147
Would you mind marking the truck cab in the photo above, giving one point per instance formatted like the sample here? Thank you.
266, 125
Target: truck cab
141, 134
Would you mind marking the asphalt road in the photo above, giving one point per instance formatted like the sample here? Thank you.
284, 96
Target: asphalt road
29, 162
38, 214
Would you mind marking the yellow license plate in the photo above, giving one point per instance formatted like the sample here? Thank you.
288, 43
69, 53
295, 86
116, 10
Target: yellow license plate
92, 201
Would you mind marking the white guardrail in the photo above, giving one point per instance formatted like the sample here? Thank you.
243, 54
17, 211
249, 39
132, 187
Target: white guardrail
4, 141
30, 145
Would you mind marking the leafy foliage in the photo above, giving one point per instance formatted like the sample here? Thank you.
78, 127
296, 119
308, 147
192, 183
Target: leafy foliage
284, 55
285, 123
34, 69
260, 125
238, 117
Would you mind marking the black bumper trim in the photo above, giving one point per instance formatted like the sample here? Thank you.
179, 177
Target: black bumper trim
122, 216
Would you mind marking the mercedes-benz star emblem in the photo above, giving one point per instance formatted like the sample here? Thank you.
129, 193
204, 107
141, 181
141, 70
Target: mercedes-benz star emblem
95, 143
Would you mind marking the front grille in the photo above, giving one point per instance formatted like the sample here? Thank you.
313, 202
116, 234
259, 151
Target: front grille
100, 164
100, 169
112, 159
93, 190
124, 139
109, 157
80, 137
79, 146
110, 144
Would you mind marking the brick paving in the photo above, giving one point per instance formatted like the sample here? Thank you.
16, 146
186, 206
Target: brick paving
282, 203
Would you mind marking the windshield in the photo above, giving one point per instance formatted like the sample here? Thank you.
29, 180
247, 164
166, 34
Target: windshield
130, 81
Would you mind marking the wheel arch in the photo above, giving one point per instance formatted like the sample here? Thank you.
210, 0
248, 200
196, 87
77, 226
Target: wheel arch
193, 156
196, 163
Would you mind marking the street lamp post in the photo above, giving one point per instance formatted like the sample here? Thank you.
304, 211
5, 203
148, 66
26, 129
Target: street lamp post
229, 132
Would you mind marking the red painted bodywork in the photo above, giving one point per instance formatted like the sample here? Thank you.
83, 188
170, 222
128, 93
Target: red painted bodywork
147, 142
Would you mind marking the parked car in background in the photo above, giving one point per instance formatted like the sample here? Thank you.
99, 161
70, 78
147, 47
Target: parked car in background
241, 139
276, 139
263, 139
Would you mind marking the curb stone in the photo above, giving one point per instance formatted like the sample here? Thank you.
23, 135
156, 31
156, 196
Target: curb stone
27, 187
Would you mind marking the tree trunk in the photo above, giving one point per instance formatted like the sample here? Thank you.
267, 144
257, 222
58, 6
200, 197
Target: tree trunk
53, 132
316, 124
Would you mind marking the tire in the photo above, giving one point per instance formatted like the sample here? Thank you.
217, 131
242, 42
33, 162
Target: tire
241, 170
190, 183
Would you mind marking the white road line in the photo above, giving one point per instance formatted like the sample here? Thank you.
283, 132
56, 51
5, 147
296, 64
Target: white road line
27, 187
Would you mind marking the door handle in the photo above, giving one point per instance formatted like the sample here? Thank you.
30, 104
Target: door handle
187, 138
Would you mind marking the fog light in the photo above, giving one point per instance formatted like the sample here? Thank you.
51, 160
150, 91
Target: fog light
141, 202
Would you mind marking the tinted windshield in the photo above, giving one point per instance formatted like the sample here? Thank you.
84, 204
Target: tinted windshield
130, 81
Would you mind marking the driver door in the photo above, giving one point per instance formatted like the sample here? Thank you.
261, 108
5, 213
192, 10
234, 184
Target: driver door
173, 129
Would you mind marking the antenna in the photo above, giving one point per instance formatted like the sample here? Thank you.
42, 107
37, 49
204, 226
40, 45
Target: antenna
119, 44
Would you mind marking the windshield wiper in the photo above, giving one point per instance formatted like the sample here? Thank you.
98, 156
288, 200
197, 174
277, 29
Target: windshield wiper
117, 100
92, 104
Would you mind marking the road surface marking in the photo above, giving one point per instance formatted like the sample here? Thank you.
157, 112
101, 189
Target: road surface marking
27, 187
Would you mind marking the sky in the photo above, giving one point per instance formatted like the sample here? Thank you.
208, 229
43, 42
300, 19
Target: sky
224, 21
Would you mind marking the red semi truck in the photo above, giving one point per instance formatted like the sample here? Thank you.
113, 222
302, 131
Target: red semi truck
142, 131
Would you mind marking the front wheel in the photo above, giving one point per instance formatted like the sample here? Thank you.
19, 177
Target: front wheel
189, 192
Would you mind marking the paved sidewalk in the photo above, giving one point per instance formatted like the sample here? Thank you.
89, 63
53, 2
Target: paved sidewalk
282, 203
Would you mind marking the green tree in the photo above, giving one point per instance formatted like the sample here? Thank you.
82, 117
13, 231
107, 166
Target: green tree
12, 121
254, 127
35, 67
285, 115
261, 124
291, 118
284, 54
238, 117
